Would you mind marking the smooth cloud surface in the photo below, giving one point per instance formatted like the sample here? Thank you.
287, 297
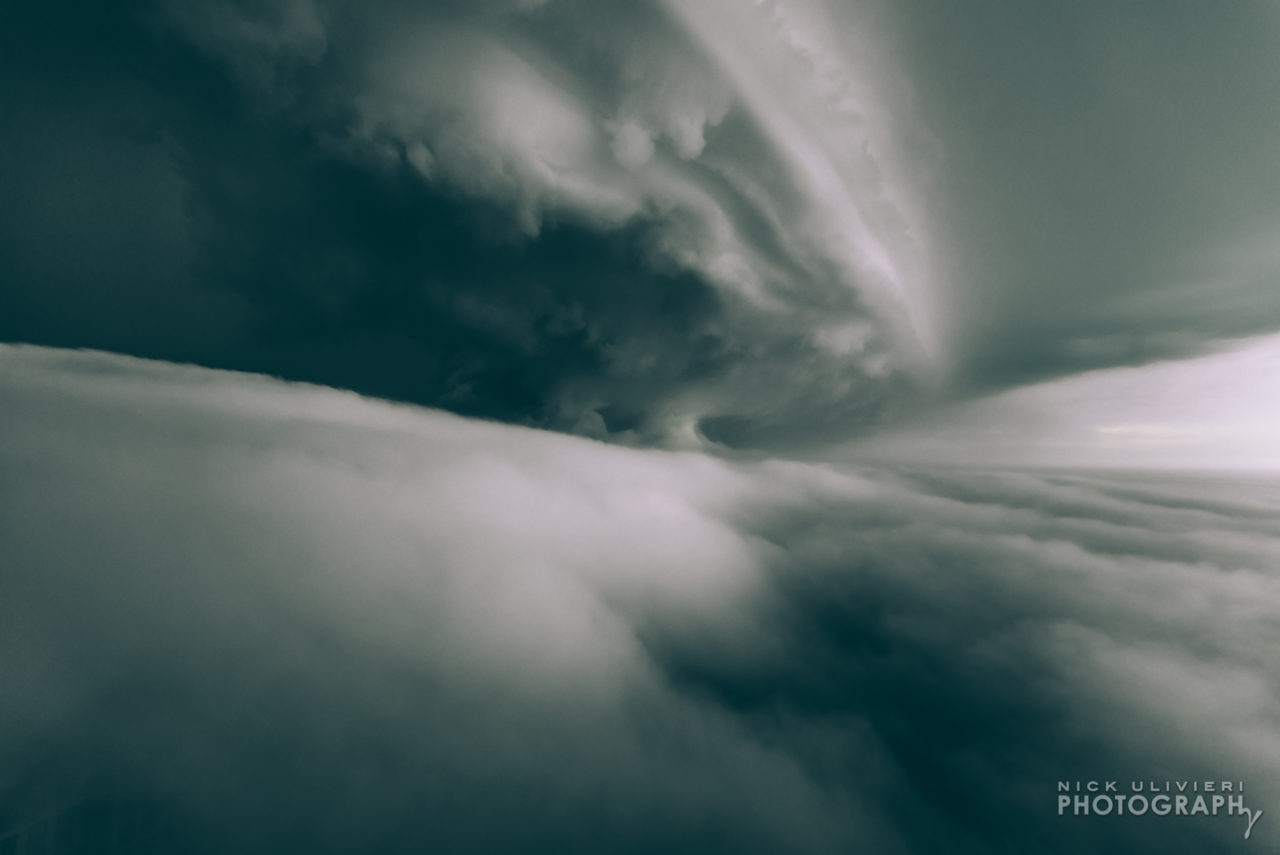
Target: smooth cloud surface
285, 618
1217, 412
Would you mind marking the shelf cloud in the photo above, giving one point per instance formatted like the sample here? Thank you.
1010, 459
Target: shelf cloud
770, 225
684, 226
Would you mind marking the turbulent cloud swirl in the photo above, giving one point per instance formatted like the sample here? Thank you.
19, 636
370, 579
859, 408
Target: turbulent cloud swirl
672, 225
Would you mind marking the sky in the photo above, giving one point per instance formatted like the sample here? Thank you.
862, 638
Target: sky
767, 226
686, 425
1220, 411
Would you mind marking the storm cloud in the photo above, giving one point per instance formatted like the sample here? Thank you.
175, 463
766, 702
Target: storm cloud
769, 225
302, 620
616, 220
591, 426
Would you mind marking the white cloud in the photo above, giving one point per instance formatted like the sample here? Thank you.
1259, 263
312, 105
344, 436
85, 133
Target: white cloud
632, 144
492, 123
307, 613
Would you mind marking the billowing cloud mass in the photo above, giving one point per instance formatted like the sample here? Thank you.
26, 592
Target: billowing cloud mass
683, 224
678, 225
756, 160
281, 618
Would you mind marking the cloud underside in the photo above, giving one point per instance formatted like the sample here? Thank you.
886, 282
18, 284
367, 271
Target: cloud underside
739, 144
615, 220
299, 620
676, 224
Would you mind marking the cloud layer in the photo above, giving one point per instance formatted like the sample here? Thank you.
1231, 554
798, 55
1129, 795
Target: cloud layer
298, 620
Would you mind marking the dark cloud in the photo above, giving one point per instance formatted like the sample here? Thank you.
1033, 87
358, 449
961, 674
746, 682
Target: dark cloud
563, 215
286, 618
673, 224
